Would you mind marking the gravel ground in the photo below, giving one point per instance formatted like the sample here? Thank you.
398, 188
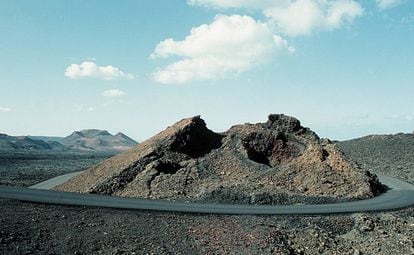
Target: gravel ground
26, 169
27, 228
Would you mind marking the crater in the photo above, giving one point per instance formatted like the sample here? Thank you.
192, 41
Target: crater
269, 149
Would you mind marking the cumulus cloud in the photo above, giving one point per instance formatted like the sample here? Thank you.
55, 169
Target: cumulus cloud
387, 4
230, 44
302, 17
113, 93
296, 17
5, 109
92, 70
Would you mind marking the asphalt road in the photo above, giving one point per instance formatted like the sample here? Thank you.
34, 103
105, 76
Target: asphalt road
400, 195
51, 183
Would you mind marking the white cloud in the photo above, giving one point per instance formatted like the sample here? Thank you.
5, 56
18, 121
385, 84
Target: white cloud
302, 17
296, 17
387, 4
113, 93
229, 45
92, 70
223, 4
5, 109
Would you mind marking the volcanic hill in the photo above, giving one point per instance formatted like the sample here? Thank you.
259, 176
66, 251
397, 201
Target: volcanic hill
276, 162
98, 140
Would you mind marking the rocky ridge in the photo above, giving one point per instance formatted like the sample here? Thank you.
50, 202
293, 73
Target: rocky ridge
276, 162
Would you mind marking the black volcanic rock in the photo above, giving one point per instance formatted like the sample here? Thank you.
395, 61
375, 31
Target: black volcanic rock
195, 139
283, 123
278, 161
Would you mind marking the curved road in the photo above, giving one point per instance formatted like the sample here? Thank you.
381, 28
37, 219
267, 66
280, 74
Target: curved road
51, 183
400, 195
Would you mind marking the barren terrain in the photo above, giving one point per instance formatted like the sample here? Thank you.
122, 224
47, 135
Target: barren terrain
26, 169
27, 228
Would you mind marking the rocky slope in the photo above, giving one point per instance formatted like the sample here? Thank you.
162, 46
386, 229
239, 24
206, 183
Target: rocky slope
388, 154
276, 162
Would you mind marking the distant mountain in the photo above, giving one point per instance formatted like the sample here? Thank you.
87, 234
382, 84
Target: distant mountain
46, 138
124, 140
27, 143
84, 140
97, 140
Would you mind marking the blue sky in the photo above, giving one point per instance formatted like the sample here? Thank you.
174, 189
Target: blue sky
344, 68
